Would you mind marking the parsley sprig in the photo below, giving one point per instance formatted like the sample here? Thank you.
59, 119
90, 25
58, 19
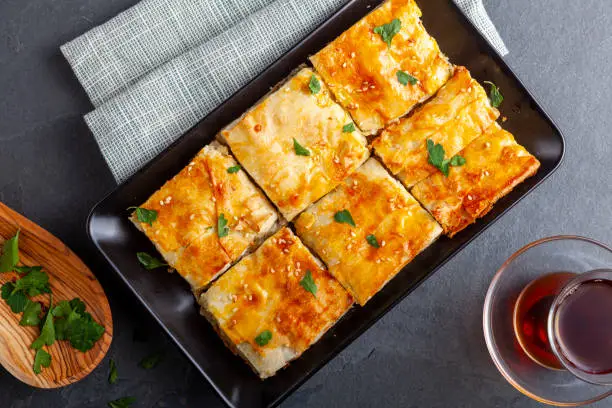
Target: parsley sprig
144, 215
348, 128
495, 95
314, 84
388, 31
151, 361
222, 227
436, 158
344, 217
263, 338
299, 149
64, 321
308, 283
372, 241
405, 78
148, 261
112, 373
10, 254
125, 402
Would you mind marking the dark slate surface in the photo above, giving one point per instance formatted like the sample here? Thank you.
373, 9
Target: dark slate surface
429, 351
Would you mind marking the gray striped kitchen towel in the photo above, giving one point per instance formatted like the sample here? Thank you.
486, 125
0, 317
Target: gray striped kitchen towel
156, 69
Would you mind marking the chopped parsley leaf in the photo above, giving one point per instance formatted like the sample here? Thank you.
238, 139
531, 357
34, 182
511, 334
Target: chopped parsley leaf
263, 338
372, 241
308, 283
388, 31
345, 217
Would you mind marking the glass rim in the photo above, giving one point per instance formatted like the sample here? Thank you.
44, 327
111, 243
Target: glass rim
487, 318
552, 324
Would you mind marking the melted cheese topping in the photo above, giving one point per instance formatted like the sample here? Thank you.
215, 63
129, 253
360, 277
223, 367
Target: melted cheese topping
362, 70
249, 214
188, 207
262, 141
263, 292
380, 206
458, 114
495, 164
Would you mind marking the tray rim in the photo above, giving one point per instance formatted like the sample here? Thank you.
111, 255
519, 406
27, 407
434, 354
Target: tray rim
356, 333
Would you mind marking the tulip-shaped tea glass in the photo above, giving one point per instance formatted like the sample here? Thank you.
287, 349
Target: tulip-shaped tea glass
548, 320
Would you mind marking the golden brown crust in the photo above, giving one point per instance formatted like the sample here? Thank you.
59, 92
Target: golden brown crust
379, 206
263, 292
188, 208
458, 114
495, 164
361, 69
263, 142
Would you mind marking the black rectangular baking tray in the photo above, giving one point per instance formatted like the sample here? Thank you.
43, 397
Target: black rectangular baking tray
168, 298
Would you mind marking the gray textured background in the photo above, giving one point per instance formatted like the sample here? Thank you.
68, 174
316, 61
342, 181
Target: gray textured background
429, 351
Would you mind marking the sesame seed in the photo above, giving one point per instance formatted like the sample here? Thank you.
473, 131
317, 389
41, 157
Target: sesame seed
234, 298
235, 218
250, 297
344, 64
372, 86
214, 200
234, 310
469, 197
336, 160
245, 286
286, 89
487, 144
353, 234
297, 264
286, 250
234, 322
353, 54
383, 243
349, 246
378, 261
278, 319
272, 270
486, 172
192, 216
161, 203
